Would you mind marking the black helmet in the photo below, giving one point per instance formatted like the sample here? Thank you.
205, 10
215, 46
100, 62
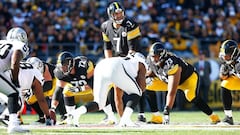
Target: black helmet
229, 48
65, 59
157, 49
115, 7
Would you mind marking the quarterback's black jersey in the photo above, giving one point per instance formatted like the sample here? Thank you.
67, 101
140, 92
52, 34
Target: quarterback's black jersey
169, 66
123, 39
82, 66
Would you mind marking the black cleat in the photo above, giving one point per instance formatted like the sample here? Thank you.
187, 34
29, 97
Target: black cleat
141, 118
228, 120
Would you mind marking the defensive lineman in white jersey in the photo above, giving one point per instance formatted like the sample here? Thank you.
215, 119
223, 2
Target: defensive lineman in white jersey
31, 84
12, 51
127, 73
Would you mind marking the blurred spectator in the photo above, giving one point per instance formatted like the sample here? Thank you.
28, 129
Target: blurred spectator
214, 20
203, 68
181, 46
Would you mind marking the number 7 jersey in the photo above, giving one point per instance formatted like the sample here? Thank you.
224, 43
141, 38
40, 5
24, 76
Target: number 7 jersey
7, 47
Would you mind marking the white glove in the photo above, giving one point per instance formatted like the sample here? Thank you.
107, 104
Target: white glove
149, 80
166, 116
75, 89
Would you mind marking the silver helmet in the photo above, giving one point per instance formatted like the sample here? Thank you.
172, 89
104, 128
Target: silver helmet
36, 63
17, 33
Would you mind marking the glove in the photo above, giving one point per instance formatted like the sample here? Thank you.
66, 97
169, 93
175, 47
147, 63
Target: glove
149, 80
166, 116
75, 89
224, 69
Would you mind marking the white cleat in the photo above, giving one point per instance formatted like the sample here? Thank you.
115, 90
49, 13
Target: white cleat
71, 121
127, 123
109, 121
17, 129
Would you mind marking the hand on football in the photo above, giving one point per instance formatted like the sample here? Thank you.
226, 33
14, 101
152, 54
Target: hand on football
51, 119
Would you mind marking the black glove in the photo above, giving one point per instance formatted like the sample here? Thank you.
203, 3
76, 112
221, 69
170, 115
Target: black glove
166, 115
75, 89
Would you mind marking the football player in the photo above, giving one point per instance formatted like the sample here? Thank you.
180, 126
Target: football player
121, 36
127, 73
230, 75
49, 86
13, 50
74, 79
177, 74
32, 90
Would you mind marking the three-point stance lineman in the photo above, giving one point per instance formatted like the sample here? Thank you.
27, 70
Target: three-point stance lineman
127, 73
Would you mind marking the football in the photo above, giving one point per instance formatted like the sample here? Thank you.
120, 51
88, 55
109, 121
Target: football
52, 116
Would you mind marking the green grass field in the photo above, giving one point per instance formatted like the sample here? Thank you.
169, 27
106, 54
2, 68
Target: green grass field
182, 123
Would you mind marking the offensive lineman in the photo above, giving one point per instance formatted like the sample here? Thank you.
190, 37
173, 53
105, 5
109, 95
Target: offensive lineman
74, 79
177, 74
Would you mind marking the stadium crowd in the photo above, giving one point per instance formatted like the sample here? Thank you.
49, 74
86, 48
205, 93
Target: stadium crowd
187, 26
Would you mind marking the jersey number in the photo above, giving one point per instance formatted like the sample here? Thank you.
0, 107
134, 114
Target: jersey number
117, 39
4, 50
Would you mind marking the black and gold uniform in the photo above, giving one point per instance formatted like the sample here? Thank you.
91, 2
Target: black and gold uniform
122, 39
76, 79
178, 75
169, 66
230, 76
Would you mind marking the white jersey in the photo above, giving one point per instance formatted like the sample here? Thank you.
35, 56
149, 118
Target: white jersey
122, 71
26, 76
7, 47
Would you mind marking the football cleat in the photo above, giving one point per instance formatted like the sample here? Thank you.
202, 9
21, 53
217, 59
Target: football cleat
214, 119
228, 120
71, 121
4, 119
156, 120
40, 121
17, 129
141, 118
127, 123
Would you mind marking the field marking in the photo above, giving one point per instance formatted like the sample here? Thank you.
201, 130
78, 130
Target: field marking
143, 127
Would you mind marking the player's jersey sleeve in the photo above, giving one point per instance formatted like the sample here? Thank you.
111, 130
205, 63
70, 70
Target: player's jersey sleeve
133, 29
104, 35
172, 64
107, 45
90, 66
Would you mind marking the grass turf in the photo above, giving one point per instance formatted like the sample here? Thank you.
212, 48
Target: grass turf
182, 123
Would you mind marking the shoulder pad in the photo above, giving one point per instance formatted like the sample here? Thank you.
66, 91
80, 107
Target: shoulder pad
104, 26
129, 23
